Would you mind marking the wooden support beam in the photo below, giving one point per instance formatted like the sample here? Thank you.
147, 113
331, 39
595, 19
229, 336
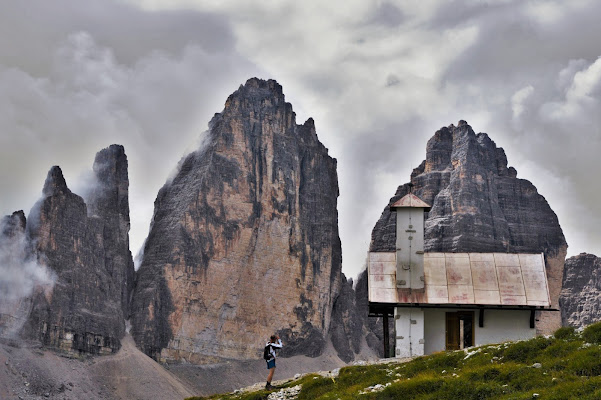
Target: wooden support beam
532, 313
386, 338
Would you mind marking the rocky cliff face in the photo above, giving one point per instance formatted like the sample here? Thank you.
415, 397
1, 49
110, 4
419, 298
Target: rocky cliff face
351, 324
244, 240
479, 205
86, 247
580, 299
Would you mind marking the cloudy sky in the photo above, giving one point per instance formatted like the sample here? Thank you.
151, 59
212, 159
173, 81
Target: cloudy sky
378, 77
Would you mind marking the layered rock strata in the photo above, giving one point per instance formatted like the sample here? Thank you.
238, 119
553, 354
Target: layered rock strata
479, 205
580, 299
87, 249
244, 240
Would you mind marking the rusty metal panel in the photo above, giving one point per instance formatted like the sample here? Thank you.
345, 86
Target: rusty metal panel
410, 200
382, 257
487, 297
533, 271
537, 291
510, 281
381, 281
513, 300
484, 275
506, 260
411, 295
458, 269
437, 294
382, 268
456, 255
434, 255
382, 295
544, 303
532, 262
488, 257
462, 278
435, 272
533, 276
461, 294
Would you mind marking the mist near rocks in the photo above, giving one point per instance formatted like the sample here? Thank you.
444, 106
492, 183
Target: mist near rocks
379, 78
20, 275
20, 272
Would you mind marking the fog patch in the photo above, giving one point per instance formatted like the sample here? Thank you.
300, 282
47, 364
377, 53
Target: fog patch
85, 185
139, 258
20, 276
196, 150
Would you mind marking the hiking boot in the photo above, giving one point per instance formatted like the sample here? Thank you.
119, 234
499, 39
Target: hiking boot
268, 386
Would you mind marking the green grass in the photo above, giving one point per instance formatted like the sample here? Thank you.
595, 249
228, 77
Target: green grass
570, 369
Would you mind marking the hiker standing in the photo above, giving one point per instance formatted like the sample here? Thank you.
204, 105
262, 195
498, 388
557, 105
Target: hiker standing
269, 354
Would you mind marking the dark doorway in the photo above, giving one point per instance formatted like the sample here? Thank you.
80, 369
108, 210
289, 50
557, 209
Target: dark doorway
459, 330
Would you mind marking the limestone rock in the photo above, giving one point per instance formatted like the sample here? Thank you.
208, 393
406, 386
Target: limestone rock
580, 299
479, 205
346, 328
89, 254
12, 225
244, 240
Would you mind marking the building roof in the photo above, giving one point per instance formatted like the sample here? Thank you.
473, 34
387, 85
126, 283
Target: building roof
499, 279
410, 200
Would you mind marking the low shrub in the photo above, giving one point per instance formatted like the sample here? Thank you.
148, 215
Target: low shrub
527, 351
592, 333
586, 362
316, 387
565, 333
411, 389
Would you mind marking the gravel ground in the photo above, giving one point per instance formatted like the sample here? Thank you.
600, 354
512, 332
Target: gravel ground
27, 371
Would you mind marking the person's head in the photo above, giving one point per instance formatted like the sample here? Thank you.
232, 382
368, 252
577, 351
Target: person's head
273, 338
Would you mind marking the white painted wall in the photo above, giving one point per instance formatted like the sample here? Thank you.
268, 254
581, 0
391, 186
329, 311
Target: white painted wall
499, 326
434, 330
409, 327
504, 325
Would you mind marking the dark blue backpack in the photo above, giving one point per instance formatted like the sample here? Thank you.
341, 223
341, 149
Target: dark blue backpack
267, 352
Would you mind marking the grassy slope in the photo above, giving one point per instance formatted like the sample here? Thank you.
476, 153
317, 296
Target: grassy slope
570, 369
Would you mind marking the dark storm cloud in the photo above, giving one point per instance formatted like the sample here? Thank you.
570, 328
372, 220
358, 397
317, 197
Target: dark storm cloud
84, 75
522, 71
31, 30
379, 78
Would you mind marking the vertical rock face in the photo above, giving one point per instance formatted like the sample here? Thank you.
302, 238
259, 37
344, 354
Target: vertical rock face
479, 205
88, 251
109, 201
580, 299
350, 322
346, 328
244, 240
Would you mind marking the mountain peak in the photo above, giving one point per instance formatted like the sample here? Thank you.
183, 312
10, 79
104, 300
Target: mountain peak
55, 182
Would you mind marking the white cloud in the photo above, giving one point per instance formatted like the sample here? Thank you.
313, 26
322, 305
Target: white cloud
150, 78
518, 99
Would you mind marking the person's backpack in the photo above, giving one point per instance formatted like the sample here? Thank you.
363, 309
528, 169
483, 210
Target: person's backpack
267, 352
